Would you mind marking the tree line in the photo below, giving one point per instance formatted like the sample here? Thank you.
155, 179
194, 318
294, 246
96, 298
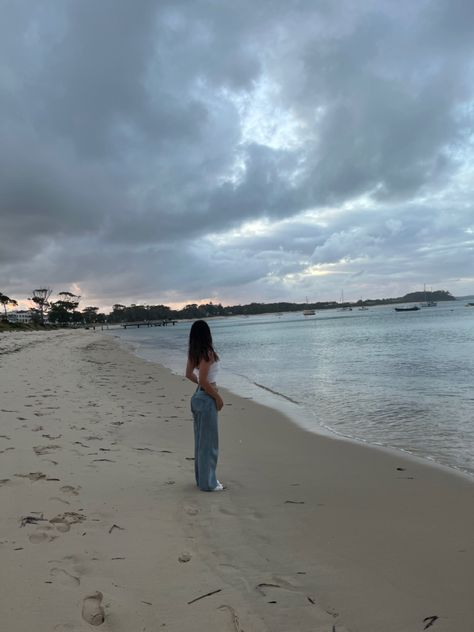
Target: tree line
64, 310
133, 313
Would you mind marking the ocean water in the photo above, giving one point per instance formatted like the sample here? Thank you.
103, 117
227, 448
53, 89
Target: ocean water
400, 380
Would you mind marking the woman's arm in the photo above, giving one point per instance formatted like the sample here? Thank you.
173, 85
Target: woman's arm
190, 372
207, 386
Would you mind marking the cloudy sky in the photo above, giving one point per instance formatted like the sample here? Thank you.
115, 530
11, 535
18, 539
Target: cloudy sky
178, 151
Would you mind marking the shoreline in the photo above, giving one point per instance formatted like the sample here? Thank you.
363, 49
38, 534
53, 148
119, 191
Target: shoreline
312, 534
288, 407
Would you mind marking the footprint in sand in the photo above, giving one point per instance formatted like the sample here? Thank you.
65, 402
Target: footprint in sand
234, 617
92, 609
191, 511
42, 535
33, 476
70, 489
61, 525
184, 557
64, 521
45, 449
226, 511
63, 577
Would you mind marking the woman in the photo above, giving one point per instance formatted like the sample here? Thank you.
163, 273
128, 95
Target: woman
202, 368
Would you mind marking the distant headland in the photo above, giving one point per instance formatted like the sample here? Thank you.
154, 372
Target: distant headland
210, 309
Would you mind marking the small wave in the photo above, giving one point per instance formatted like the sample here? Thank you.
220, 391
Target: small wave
270, 390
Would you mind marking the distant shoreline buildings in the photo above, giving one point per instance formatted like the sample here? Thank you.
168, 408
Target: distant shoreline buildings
20, 316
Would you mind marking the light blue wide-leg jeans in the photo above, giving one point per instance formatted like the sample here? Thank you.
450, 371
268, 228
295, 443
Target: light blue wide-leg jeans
206, 439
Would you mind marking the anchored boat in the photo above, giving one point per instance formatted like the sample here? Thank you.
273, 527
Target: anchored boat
415, 308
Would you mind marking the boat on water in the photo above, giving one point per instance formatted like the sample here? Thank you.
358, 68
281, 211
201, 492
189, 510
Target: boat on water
428, 303
344, 308
308, 311
415, 308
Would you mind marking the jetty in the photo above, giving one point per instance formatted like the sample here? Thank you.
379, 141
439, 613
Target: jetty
149, 323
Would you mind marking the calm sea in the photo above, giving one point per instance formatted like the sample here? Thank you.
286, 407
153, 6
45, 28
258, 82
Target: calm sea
402, 380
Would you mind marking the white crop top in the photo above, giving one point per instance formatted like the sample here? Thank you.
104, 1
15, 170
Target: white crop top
212, 373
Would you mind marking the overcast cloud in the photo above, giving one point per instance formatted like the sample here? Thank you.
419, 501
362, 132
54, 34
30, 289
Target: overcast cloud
181, 151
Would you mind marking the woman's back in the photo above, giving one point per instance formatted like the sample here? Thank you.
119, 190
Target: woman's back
212, 372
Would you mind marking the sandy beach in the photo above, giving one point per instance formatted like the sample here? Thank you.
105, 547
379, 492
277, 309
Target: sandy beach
101, 519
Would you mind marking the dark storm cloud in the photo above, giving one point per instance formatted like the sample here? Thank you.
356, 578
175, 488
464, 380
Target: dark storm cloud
124, 138
389, 106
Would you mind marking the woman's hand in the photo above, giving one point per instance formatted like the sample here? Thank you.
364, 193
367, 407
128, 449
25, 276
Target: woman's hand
219, 402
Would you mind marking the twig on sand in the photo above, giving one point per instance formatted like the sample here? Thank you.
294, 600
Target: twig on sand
429, 621
294, 502
116, 526
32, 520
213, 592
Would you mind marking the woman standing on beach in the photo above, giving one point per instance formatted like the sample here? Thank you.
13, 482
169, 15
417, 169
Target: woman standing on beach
202, 368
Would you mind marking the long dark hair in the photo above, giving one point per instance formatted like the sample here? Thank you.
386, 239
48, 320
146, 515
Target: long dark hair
200, 343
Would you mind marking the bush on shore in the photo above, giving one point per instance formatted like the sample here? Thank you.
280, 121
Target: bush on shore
5, 325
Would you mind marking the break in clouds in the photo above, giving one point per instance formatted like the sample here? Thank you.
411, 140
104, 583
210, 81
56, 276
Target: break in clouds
182, 151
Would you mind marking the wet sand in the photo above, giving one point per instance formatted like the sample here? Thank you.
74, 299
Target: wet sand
103, 526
